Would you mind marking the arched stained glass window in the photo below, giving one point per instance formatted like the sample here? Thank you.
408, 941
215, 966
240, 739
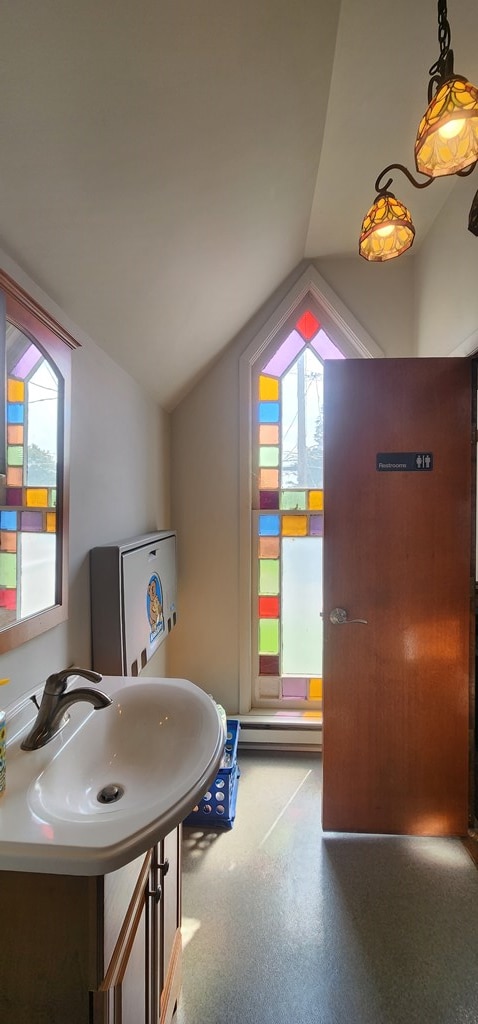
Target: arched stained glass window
288, 505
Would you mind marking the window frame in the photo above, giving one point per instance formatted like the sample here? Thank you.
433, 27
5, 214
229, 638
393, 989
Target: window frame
57, 344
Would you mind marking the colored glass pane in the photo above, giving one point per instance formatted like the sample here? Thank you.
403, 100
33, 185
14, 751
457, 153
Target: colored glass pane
8, 520
268, 479
294, 526
316, 500
15, 412
15, 390
268, 434
268, 665
8, 540
294, 688
307, 325
14, 496
268, 526
15, 455
268, 636
14, 433
51, 522
302, 424
268, 456
316, 526
301, 604
285, 355
31, 522
269, 499
8, 599
268, 389
269, 547
268, 687
293, 500
268, 412
325, 348
37, 497
28, 360
14, 476
52, 497
315, 689
269, 608
8, 569
268, 576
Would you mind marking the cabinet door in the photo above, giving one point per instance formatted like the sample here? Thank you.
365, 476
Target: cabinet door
170, 944
126, 993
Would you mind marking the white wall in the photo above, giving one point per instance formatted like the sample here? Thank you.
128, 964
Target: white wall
205, 475
447, 279
119, 487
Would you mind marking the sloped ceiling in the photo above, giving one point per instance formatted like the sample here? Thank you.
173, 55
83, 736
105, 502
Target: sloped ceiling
166, 163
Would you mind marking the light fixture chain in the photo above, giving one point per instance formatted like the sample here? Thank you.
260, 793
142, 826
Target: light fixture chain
441, 66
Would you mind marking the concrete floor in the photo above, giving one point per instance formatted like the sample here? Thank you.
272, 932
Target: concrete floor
284, 924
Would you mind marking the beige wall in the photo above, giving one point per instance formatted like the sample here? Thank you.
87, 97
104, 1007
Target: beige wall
205, 475
119, 487
447, 279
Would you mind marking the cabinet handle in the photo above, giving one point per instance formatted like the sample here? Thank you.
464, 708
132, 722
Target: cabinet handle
156, 894
164, 867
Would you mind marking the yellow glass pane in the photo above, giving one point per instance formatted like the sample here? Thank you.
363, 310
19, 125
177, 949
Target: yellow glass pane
268, 388
294, 526
268, 479
51, 522
316, 500
315, 689
16, 390
317, 715
268, 433
269, 547
15, 433
37, 497
14, 476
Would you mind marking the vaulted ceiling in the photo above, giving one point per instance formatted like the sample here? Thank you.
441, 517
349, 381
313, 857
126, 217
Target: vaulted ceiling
166, 163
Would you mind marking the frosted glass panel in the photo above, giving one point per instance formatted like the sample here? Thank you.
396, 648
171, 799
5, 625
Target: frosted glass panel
301, 606
37, 588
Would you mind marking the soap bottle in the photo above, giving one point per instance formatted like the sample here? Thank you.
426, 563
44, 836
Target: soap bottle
3, 746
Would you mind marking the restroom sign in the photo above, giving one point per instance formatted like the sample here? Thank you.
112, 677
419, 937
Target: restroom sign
404, 462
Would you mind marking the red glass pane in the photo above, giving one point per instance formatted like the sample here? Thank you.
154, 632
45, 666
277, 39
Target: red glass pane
269, 665
269, 608
269, 499
307, 325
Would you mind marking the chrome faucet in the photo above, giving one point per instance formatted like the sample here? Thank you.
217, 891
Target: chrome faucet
55, 702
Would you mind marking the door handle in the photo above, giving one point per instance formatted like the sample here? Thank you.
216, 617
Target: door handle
339, 617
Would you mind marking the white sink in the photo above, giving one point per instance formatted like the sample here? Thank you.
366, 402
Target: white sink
158, 747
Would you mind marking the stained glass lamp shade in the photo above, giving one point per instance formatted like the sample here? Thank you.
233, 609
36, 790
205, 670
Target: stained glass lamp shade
447, 137
387, 230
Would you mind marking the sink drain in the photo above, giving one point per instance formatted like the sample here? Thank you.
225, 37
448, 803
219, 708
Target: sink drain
110, 794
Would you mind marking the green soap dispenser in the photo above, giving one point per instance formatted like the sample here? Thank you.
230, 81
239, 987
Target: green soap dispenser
3, 746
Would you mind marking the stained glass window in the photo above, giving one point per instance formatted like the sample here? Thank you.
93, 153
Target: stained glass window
289, 509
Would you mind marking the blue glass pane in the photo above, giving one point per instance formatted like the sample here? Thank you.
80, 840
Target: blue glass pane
8, 520
268, 526
268, 412
15, 412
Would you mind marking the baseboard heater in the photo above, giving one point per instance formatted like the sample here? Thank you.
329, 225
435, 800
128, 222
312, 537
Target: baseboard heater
267, 733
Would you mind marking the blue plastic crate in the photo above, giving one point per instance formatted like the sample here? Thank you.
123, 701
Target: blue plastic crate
217, 809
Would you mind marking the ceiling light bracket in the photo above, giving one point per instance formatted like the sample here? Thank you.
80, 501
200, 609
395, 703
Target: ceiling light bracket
384, 189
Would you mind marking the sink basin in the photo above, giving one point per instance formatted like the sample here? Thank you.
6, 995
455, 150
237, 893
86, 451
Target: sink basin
150, 755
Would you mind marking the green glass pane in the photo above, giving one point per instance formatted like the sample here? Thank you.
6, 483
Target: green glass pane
8, 569
268, 636
15, 455
293, 499
268, 455
268, 576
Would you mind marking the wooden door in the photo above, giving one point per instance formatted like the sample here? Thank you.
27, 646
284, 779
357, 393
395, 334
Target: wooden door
397, 553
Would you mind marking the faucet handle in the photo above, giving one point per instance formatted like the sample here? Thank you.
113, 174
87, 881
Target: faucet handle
58, 681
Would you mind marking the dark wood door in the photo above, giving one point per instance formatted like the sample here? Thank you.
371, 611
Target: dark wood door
397, 553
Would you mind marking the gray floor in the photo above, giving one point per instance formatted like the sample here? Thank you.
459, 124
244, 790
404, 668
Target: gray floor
286, 925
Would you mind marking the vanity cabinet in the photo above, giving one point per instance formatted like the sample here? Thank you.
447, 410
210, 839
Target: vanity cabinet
94, 950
